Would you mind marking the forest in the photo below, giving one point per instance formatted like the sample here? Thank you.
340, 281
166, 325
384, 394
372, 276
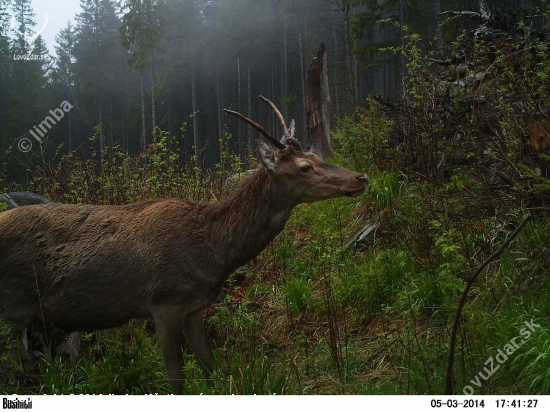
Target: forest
442, 104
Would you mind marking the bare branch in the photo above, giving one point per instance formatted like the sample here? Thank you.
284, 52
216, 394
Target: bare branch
474, 15
449, 383
452, 61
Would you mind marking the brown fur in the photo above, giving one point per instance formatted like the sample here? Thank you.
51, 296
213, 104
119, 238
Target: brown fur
539, 126
89, 267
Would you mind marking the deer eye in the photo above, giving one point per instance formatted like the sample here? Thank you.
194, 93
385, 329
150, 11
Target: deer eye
305, 169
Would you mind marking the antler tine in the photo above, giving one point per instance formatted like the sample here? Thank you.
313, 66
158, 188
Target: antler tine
275, 142
279, 115
292, 128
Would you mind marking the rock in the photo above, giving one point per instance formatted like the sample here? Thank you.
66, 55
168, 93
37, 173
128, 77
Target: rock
17, 199
474, 78
462, 69
367, 234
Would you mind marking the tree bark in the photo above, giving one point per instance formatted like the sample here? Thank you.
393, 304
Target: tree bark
219, 104
194, 99
355, 69
349, 59
334, 65
142, 141
402, 27
271, 114
124, 146
318, 103
101, 138
239, 130
70, 127
285, 69
438, 30
153, 104
302, 75
111, 135
249, 102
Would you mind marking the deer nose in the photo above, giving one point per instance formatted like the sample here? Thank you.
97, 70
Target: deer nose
363, 179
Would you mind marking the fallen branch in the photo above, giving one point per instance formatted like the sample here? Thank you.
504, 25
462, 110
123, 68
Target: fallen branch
449, 383
443, 62
474, 15
390, 106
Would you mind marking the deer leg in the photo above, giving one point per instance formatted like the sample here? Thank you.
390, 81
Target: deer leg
18, 334
193, 329
168, 321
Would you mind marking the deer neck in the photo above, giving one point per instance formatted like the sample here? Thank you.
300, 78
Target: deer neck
249, 219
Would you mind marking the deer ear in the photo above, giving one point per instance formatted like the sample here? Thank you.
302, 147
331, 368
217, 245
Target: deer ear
267, 156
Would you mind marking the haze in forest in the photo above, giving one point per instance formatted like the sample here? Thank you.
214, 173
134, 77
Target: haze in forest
130, 66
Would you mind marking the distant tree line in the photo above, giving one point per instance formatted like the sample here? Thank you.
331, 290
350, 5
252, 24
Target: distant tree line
127, 67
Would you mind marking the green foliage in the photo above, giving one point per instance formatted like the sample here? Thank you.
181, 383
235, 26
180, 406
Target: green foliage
541, 184
8, 381
121, 178
120, 361
299, 292
140, 30
126, 361
534, 363
5, 339
362, 139
289, 101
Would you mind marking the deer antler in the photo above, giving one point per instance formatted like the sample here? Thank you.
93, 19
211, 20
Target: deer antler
279, 115
292, 128
275, 142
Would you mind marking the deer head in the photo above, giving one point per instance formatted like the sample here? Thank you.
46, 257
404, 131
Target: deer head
303, 175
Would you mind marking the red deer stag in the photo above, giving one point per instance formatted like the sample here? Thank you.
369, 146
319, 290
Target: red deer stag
89, 267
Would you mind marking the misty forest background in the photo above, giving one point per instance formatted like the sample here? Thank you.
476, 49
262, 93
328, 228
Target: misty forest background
443, 104
132, 65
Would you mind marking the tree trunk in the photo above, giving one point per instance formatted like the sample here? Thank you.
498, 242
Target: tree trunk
318, 103
124, 146
285, 69
169, 113
439, 29
101, 138
239, 105
349, 59
249, 102
219, 105
111, 134
272, 97
142, 141
153, 104
70, 125
402, 24
302, 74
334, 65
194, 99
355, 70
